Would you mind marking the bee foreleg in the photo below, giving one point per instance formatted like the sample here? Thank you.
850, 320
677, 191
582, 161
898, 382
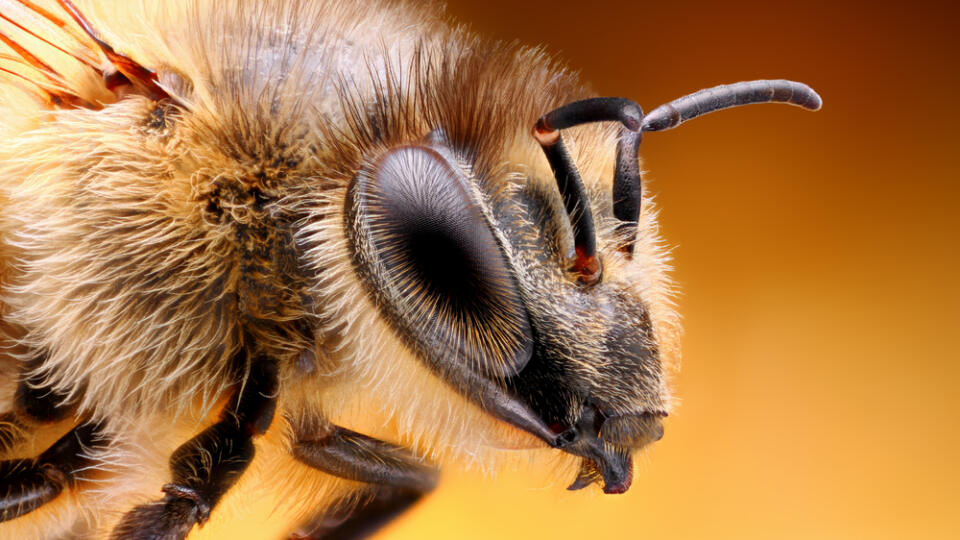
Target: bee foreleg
28, 484
355, 520
205, 467
37, 403
400, 479
351, 455
34, 405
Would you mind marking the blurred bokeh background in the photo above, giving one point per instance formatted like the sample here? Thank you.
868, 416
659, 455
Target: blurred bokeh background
819, 260
818, 256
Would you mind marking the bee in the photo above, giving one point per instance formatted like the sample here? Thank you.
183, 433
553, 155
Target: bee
346, 234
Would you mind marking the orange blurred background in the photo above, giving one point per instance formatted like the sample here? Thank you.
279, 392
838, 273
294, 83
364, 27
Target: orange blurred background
818, 257
819, 261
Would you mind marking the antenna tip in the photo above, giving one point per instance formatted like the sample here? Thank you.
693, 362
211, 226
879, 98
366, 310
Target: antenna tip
813, 100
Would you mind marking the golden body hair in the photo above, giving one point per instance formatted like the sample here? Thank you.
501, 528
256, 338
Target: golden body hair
146, 244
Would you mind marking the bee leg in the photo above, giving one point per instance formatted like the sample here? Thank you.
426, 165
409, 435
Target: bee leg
353, 520
30, 483
400, 479
27, 484
37, 404
205, 467
351, 455
33, 406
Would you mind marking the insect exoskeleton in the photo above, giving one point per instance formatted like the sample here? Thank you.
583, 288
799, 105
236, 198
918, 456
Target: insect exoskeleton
322, 244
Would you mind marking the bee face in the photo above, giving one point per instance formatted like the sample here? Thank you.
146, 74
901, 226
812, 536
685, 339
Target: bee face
541, 303
474, 275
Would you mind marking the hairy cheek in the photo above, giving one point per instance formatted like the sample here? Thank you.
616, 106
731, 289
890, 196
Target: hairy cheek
403, 400
507, 437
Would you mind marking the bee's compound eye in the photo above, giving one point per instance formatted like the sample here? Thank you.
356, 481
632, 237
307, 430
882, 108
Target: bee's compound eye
429, 252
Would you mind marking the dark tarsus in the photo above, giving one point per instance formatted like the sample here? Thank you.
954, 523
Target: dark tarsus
28, 484
205, 467
31, 483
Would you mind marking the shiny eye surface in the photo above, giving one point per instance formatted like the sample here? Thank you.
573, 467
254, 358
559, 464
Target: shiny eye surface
424, 244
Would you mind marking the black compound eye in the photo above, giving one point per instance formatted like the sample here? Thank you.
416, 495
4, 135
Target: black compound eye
430, 254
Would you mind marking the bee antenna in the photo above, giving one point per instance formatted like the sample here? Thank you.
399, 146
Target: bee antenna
627, 188
601, 109
678, 111
627, 182
577, 203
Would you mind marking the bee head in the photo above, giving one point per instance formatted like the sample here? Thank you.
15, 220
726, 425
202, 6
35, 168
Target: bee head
493, 307
508, 295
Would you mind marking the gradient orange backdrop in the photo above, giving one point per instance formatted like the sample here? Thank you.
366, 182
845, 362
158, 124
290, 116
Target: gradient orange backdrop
819, 262
818, 256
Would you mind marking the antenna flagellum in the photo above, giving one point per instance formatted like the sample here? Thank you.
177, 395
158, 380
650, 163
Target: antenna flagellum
627, 183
